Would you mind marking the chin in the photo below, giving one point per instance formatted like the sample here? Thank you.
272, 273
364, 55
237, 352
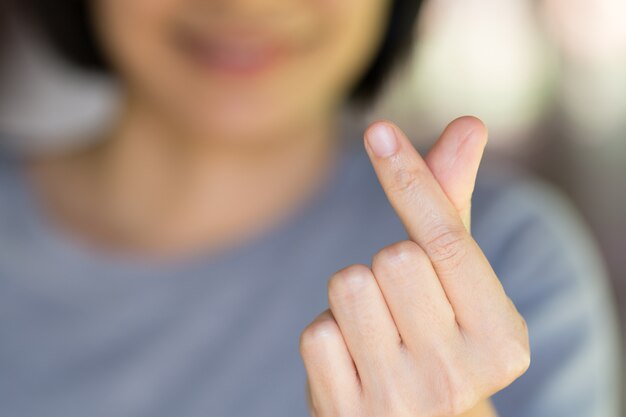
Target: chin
244, 125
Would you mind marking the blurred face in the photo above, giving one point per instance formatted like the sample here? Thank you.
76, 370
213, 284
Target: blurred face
240, 68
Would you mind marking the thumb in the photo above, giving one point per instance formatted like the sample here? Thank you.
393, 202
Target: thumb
454, 161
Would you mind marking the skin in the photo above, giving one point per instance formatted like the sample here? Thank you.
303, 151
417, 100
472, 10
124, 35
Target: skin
427, 329
217, 155
325, 45
209, 149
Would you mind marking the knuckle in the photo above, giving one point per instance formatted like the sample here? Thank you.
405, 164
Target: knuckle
448, 245
521, 364
515, 359
523, 327
407, 182
394, 406
348, 283
409, 407
398, 254
320, 331
459, 397
398, 396
456, 391
460, 403
510, 356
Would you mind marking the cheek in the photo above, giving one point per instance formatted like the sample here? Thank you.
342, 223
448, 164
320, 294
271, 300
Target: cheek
134, 37
130, 33
353, 33
127, 26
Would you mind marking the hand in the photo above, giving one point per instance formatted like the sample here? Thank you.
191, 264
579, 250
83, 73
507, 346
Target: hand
427, 330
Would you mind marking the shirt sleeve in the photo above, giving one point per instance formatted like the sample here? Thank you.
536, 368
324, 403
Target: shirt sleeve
549, 266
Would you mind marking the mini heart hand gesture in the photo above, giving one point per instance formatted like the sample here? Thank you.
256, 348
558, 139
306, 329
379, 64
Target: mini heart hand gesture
426, 330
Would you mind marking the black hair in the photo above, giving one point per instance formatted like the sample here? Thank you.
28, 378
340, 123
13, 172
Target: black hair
67, 25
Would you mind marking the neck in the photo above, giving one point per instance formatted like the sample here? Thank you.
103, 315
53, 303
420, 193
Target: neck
164, 190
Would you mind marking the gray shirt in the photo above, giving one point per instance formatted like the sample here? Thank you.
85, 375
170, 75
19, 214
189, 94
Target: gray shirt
84, 333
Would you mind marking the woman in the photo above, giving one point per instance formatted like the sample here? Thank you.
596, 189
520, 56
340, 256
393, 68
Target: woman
179, 264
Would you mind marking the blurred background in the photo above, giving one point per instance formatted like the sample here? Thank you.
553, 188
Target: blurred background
548, 77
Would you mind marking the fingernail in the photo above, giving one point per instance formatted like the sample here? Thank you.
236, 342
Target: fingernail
382, 140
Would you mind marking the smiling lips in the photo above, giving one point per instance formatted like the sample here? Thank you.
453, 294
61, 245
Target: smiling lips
233, 55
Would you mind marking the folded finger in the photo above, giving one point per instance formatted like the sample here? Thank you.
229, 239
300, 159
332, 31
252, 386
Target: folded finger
332, 380
419, 306
365, 322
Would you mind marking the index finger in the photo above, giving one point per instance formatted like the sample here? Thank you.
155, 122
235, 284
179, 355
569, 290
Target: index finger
432, 221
